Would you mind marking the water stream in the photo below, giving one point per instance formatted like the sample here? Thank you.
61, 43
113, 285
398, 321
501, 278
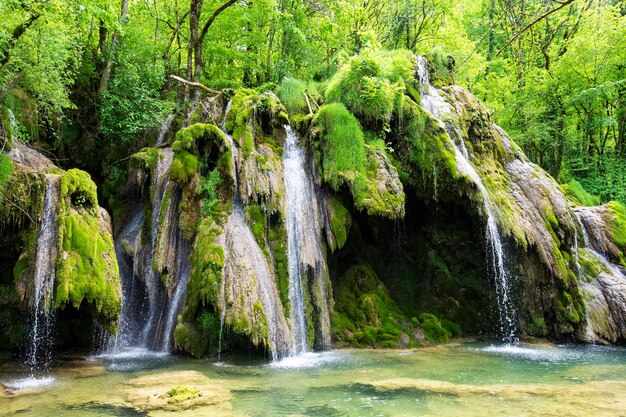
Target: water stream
304, 238
433, 102
39, 349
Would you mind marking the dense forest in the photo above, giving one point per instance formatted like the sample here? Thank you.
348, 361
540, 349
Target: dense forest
90, 75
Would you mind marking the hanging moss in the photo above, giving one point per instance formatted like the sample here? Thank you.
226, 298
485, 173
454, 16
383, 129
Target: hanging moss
345, 159
184, 166
340, 222
279, 247
87, 272
146, 159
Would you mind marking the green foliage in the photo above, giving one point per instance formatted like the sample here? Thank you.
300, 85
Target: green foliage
291, 92
371, 84
208, 191
133, 102
575, 190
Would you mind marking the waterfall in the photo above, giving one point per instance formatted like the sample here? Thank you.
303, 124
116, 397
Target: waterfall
248, 271
40, 341
433, 102
148, 319
164, 128
596, 252
303, 237
176, 302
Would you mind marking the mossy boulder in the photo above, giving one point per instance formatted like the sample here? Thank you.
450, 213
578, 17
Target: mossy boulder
87, 270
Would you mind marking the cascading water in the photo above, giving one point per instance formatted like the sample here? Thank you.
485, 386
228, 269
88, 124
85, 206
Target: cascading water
40, 342
303, 231
164, 128
176, 302
433, 102
246, 266
147, 320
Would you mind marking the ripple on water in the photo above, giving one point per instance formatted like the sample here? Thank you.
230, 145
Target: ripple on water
31, 383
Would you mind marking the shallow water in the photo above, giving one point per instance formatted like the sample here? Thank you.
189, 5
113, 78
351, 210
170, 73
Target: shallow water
458, 380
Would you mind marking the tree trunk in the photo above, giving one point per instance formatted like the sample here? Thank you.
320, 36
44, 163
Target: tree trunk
106, 74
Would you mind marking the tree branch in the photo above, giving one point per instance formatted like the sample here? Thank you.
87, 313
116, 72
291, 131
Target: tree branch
561, 4
216, 13
194, 84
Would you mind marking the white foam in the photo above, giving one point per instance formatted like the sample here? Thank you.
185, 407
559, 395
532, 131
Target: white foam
131, 354
550, 354
306, 361
31, 383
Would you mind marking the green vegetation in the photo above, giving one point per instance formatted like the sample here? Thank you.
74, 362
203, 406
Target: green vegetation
365, 315
617, 223
180, 393
371, 84
340, 222
575, 190
292, 94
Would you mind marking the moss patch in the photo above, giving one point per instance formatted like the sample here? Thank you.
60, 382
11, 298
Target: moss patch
365, 315
340, 222
577, 192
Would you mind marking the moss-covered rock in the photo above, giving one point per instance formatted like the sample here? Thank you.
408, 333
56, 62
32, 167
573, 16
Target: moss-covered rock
365, 315
87, 271
344, 159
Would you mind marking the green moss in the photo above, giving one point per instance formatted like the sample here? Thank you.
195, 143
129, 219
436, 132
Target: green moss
78, 190
184, 166
577, 192
432, 327
197, 137
591, 266
342, 145
365, 314
146, 159
340, 222
617, 224
207, 261
21, 265
180, 394
438, 264
189, 339
279, 247
6, 167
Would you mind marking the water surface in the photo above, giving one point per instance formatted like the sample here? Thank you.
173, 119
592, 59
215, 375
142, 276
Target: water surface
456, 380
